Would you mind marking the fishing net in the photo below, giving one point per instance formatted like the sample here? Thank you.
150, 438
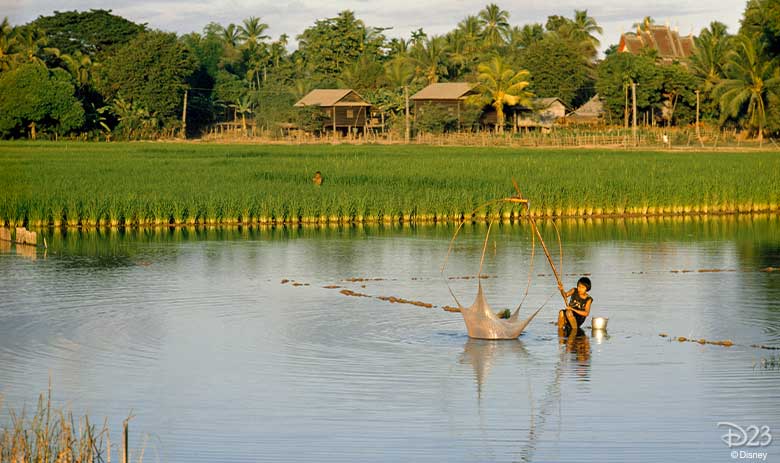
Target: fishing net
481, 321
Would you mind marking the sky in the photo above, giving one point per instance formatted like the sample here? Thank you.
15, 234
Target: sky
404, 16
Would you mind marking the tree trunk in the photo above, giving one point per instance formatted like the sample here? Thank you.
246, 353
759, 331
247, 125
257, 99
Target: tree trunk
499, 118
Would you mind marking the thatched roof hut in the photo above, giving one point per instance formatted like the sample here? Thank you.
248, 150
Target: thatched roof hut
591, 112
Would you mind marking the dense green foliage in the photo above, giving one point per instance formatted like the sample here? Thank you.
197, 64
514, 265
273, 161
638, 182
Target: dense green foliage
150, 72
89, 32
142, 184
130, 81
569, 79
31, 96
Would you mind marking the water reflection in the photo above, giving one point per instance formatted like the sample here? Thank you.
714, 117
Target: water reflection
577, 353
481, 354
192, 329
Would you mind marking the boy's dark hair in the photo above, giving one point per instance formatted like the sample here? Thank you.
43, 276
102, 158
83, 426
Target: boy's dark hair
585, 281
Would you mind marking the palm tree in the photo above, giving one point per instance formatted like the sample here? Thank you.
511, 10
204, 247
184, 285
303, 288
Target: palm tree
586, 28
522, 37
279, 49
243, 105
300, 87
398, 46
709, 55
251, 32
751, 80
470, 29
231, 35
429, 57
463, 44
31, 43
7, 42
495, 24
501, 85
79, 65
399, 72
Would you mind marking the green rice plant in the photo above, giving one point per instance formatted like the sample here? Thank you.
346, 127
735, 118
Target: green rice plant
210, 184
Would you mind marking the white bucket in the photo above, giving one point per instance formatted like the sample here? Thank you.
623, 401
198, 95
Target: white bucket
599, 323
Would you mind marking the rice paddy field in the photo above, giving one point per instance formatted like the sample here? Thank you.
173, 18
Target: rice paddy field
71, 184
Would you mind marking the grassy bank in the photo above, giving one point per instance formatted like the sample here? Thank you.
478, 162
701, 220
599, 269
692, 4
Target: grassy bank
142, 184
54, 435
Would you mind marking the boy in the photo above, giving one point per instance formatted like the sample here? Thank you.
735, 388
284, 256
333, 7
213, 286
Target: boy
577, 310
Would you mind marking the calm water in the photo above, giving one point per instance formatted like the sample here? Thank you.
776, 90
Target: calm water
219, 361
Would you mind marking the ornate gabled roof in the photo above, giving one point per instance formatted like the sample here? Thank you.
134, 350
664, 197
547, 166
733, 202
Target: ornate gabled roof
666, 42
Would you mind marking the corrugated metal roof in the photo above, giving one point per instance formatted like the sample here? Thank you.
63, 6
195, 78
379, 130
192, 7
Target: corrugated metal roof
332, 97
444, 91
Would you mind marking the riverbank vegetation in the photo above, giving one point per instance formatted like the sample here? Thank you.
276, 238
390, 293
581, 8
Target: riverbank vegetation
93, 75
144, 184
52, 434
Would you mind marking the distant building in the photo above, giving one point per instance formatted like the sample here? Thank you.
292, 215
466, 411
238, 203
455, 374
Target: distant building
549, 110
543, 113
448, 95
345, 109
667, 43
592, 112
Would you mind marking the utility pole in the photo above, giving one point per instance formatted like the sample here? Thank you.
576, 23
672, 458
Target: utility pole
184, 117
698, 133
633, 104
408, 130
625, 108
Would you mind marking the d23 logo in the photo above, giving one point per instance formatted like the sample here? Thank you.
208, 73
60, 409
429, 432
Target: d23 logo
750, 436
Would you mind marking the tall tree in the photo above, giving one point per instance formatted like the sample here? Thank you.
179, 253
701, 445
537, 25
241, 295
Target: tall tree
523, 37
150, 72
80, 67
585, 28
762, 20
7, 43
495, 25
709, 55
252, 31
91, 32
500, 85
751, 82
429, 57
615, 74
31, 45
568, 79
333, 43
34, 97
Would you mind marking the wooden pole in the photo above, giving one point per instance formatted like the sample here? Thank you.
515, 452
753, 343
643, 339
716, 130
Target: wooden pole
625, 107
541, 240
184, 117
547, 254
698, 132
125, 445
633, 104
407, 128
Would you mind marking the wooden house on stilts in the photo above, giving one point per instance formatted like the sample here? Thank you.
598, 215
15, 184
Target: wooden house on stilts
450, 96
345, 110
